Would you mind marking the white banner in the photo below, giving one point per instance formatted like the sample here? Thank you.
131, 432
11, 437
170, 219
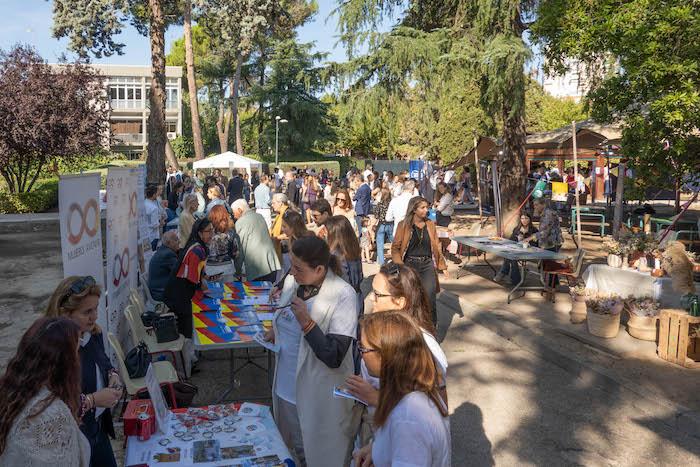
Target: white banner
122, 257
81, 232
145, 251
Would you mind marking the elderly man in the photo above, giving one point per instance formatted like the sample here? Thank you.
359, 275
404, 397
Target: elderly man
257, 252
162, 264
398, 206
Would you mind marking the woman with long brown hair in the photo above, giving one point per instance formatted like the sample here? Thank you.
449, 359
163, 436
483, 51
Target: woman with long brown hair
343, 207
223, 247
293, 226
77, 298
417, 245
411, 419
344, 244
40, 399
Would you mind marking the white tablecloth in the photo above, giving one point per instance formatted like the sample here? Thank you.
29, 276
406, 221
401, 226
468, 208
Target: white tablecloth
626, 282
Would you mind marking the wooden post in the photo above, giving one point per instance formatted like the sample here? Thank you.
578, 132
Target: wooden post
496, 196
478, 177
576, 193
621, 169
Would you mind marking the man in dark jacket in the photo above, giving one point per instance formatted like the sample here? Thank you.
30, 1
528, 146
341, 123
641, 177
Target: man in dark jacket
162, 264
291, 189
235, 187
363, 196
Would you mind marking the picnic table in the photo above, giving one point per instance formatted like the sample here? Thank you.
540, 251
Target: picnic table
228, 319
514, 251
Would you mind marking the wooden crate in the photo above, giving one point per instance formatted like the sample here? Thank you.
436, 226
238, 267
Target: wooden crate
674, 344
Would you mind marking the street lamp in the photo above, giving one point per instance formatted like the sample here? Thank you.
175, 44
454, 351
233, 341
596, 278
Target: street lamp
278, 120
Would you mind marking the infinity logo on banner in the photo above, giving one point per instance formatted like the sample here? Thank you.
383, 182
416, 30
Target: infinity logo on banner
83, 213
132, 205
120, 268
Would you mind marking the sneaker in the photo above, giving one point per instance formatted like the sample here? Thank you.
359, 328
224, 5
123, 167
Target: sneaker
498, 277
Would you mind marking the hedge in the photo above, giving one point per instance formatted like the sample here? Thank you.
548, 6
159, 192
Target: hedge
43, 197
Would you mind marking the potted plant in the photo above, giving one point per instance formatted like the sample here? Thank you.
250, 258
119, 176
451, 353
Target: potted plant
638, 246
579, 294
644, 317
614, 250
603, 316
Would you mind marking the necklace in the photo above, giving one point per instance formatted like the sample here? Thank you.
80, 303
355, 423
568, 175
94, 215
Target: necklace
420, 233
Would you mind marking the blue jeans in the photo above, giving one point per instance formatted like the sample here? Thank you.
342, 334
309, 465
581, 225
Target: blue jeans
385, 233
512, 269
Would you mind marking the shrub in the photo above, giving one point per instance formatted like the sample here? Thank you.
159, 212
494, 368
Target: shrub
43, 197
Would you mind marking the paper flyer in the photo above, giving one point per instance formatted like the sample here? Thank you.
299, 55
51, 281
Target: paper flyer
341, 392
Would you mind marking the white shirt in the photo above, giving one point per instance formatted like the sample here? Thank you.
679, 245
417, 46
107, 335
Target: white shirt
414, 435
396, 189
445, 206
366, 174
449, 175
152, 218
396, 211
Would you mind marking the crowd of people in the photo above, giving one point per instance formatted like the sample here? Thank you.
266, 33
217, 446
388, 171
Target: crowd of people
308, 234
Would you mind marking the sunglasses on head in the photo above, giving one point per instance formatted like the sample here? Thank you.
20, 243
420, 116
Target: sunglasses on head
79, 286
392, 269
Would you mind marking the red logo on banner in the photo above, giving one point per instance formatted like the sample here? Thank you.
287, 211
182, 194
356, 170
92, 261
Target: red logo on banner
122, 270
133, 205
83, 213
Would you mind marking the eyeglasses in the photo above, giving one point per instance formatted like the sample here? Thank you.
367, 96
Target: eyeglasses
341, 199
378, 295
78, 286
364, 350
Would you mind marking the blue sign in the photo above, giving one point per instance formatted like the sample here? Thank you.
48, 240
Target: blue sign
415, 169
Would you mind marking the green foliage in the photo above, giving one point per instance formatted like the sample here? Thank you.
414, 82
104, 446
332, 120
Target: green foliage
544, 112
653, 87
43, 197
183, 147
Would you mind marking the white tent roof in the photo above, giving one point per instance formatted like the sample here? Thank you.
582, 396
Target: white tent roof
224, 161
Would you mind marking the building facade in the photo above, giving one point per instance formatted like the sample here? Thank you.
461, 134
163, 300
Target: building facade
128, 87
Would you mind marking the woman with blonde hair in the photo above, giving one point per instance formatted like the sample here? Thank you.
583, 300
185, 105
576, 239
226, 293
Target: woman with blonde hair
412, 424
184, 226
77, 298
343, 207
223, 247
215, 197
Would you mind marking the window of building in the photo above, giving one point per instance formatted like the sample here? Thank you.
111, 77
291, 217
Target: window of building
171, 126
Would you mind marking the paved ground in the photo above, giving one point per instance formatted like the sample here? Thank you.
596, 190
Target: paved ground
511, 402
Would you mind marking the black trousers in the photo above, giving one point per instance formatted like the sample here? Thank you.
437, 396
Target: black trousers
101, 454
428, 277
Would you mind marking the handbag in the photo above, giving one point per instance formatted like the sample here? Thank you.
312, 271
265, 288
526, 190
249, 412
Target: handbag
148, 317
165, 328
137, 361
184, 394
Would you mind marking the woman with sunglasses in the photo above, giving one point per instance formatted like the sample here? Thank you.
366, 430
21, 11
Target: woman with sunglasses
412, 424
40, 400
315, 333
77, 298
188, 275
343, 207
417, 245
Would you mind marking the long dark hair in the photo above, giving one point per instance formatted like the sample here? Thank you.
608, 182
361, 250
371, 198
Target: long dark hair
413, 203
315, 252
407, 363
47, 356
342, 238
195, 237
295, 222
405, 282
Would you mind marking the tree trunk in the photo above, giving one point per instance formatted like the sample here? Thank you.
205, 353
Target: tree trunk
155, 163
234, 102
192, 84
222, 126
513, 171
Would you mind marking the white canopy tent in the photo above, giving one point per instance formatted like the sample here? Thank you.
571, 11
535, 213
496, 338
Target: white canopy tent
229, 160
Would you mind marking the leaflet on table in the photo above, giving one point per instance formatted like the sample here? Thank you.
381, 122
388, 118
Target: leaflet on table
260, 339
341, 392
161, 410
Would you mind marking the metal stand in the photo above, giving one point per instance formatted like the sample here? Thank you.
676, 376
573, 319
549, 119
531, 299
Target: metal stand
522, 264
247, 360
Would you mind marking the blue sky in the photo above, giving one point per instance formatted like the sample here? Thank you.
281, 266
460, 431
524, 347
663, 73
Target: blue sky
30, 21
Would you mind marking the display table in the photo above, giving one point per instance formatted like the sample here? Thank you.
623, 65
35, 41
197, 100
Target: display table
221, 435
626, 282
514, 251
228, 319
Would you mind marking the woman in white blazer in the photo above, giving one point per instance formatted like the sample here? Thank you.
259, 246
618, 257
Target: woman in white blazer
316, 333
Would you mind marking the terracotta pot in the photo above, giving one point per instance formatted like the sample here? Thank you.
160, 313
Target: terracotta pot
642, 327
606, 326
614, 261
578, 310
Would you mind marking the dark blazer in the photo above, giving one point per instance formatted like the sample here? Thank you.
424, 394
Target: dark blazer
363, 197
292, 192
94, 354
531, 229
235, 189
162, 264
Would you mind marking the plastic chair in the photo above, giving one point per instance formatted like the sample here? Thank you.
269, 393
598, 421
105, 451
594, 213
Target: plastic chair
141, 334
137, 301
572, 272
165, 374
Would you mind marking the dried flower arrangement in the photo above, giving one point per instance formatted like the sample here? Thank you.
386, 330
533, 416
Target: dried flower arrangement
642, 306
605, 305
